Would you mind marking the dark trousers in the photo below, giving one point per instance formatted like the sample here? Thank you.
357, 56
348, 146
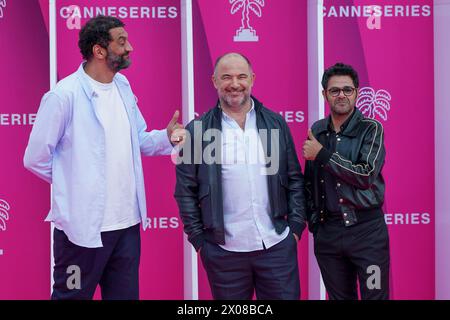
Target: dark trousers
272, 273
115, 266
347, 254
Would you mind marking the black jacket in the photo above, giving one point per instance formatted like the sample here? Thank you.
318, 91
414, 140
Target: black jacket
198, 188
356, 165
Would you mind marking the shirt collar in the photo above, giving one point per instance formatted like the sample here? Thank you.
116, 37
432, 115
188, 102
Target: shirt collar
344, 125
250, 112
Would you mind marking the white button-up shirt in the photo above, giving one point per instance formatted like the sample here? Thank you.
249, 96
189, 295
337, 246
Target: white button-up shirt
246, 205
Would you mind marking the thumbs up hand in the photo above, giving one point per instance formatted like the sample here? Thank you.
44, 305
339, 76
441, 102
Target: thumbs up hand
311, 147
175, 130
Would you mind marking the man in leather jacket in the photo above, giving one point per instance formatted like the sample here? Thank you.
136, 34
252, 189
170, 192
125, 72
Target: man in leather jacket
244, 217
345, 193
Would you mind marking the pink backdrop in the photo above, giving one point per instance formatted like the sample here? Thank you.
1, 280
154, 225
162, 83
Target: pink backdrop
24, 199
155, 77
397, 58
279, 60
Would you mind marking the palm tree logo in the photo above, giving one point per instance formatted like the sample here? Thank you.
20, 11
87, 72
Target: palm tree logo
2, 5
246, 33
4, 216
373, 104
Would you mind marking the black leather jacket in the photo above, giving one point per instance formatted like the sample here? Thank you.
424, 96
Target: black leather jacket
198, 190
356, 165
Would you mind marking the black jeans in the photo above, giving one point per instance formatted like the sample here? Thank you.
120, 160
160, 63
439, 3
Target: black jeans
115, 266
345, 254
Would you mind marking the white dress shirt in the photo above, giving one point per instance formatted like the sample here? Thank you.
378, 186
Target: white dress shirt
246, 205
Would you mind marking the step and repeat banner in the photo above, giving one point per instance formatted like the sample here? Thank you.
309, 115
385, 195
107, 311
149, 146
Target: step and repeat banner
273, 36
24, 199
390, 44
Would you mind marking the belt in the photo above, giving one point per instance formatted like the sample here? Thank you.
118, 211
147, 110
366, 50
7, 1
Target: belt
351, 216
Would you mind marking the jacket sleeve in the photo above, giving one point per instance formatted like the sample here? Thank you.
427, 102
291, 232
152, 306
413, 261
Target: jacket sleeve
47, 131
152, 143
296, 202
187, 191
363, 172
309, 196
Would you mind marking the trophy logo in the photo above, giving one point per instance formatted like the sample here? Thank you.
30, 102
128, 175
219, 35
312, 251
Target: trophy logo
246, 33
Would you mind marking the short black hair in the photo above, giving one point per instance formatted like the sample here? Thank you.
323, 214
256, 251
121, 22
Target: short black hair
96, 31
340, 69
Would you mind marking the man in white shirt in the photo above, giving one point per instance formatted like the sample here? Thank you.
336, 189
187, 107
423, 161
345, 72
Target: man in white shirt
242, 213
87, 142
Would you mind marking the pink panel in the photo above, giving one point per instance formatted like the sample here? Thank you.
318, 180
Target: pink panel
24, 198
392, 50
155, 76
279, 59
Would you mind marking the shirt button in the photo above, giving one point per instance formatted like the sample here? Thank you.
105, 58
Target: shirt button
321, 181
328, 134
338, 184
338, 139
323, 197
341, 200
321, 219
345, 214
321, 211
347, 222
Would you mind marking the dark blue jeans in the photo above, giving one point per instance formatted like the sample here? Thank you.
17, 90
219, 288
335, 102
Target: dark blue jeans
271, 273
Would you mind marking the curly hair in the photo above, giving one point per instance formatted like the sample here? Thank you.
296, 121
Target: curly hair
96, 31
340, 69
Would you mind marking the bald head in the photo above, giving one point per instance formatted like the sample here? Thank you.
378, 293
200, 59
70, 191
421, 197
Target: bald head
232, 55
233, 78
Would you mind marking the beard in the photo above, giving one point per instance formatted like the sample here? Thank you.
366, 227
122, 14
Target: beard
339, 108
117, 62
230, 102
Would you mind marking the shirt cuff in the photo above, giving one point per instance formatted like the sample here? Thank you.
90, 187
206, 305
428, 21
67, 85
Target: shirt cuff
163, 142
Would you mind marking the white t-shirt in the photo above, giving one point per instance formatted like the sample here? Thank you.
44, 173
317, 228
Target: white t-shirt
121, 207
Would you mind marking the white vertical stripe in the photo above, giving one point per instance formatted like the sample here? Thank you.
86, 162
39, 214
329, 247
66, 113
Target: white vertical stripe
320, 57
441, 13
52, 37
187, 56
316, 111
187, 63
53, 80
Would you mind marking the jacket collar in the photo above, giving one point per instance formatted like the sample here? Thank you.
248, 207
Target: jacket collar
217, 112
350, 127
